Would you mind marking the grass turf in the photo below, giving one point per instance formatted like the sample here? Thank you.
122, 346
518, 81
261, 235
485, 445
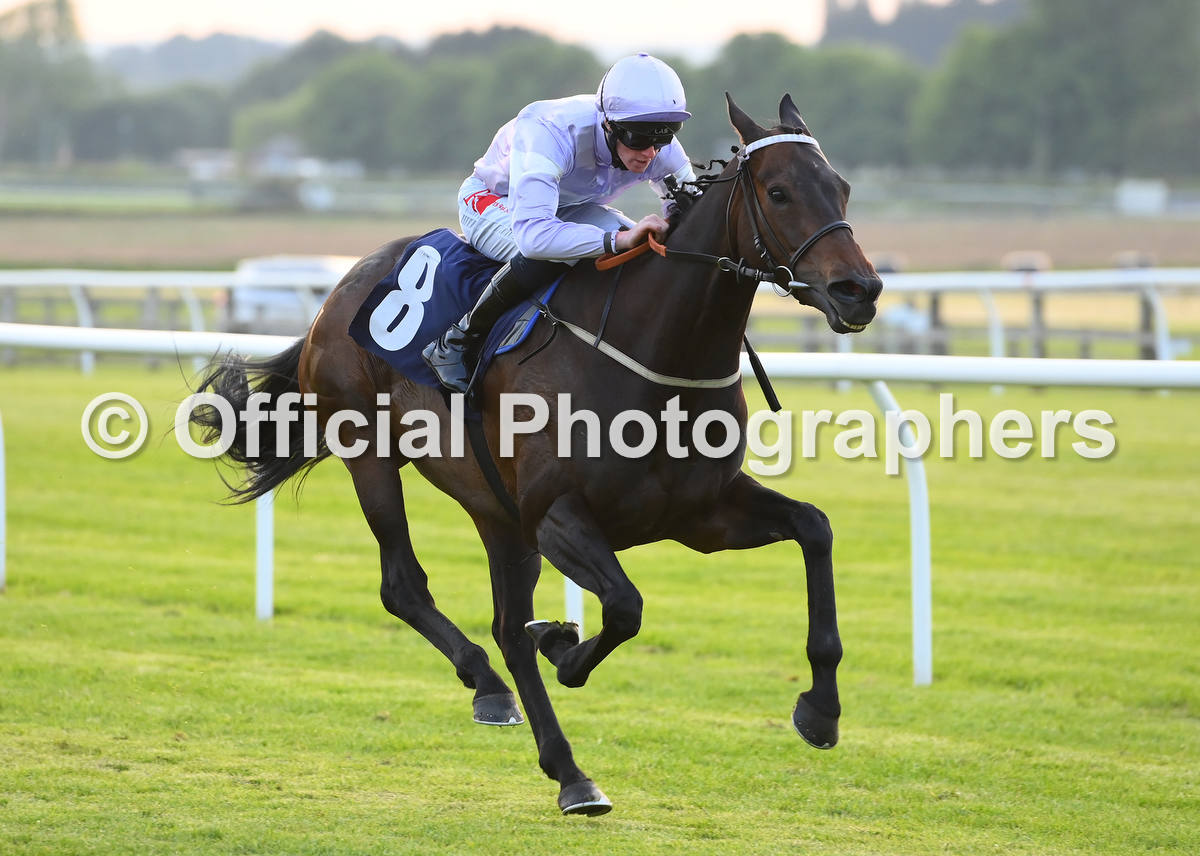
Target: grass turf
143, 709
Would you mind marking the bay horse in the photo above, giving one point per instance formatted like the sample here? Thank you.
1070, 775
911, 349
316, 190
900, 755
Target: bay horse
678, 323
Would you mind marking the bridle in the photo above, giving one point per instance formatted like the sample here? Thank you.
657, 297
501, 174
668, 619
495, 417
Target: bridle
781, 276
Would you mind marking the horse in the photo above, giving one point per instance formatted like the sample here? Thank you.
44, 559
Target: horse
676, 329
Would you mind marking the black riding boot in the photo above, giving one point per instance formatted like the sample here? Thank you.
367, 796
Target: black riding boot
453, 355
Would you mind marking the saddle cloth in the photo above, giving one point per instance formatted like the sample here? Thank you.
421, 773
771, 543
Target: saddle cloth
437, 280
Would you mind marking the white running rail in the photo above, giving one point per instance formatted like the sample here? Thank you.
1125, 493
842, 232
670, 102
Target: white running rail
874, 369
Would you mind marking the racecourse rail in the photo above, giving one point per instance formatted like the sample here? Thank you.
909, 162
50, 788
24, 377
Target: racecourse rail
308, 278
874, 369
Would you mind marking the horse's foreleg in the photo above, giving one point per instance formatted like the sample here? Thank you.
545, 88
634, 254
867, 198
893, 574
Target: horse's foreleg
750, 515
405, 587
571, 541
515, 570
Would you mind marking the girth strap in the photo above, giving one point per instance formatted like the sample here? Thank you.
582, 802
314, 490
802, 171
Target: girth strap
487, 465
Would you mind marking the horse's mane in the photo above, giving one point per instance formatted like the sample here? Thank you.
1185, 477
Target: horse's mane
684, 195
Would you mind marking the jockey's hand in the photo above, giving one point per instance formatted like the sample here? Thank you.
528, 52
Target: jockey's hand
630, 238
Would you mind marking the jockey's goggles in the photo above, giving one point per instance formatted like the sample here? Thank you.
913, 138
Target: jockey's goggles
640, 136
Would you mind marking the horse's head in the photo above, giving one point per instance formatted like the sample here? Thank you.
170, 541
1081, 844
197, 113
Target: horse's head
793, 214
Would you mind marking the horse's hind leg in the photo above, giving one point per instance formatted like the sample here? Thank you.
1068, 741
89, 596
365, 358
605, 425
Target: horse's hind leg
515, 569
571, 541
750, 515
405, 589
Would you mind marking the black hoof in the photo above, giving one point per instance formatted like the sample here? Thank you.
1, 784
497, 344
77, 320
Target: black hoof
815, 728
584, 798
497, 709
553, 638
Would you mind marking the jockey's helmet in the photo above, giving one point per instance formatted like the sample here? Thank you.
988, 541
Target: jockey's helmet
642, 103
641, 88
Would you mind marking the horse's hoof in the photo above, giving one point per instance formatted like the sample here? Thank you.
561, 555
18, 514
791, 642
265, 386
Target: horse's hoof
584, 798
497, 709
553, 637
815, 728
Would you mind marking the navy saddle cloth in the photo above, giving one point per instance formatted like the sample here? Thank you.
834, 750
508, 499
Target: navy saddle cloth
437, 280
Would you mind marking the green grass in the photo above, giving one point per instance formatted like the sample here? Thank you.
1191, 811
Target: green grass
37, 203
144, 710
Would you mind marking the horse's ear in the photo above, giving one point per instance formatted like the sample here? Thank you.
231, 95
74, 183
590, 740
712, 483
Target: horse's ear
747, 128
789, 116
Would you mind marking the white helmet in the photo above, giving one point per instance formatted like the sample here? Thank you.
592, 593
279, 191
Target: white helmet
641, 88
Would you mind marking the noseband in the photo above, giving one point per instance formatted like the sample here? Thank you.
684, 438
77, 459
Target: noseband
781, 276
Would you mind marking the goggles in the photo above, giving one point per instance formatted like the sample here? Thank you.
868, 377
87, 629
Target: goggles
640, 136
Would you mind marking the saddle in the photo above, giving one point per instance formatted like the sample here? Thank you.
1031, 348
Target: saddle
437, 280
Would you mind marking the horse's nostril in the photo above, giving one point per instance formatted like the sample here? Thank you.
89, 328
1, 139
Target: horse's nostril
855, 290
848, 291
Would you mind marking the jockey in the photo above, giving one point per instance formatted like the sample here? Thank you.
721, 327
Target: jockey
536, 199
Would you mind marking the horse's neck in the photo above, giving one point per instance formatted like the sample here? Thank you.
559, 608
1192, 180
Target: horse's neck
699, 310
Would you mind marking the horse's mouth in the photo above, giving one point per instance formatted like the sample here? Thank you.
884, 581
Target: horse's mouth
810, 296
849, 328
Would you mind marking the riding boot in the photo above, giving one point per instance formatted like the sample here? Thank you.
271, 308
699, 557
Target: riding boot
453, 355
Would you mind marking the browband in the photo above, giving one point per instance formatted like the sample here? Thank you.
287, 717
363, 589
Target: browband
745, 151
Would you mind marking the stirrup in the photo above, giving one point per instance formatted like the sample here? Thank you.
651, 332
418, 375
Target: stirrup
452, 361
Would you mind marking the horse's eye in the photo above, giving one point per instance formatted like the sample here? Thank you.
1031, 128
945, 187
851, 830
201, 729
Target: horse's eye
777, 195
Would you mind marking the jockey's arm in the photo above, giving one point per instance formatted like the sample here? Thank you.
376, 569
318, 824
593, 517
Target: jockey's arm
538, 162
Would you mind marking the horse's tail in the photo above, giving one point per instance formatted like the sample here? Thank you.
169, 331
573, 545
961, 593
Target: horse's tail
234, 379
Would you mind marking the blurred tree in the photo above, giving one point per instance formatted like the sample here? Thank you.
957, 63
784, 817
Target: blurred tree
152, 127
921, 31
438, 129
44, 76
980, 107
756, 70
476, 44
857, 101
219, 59
1121, 75
356, 109
278, 78
1101, 85
50, 24
256, 125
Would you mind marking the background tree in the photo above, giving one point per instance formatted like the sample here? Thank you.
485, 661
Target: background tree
1102, 86
281, 77
152, 127
44, 76
856, 101
982, 108
756, 70
357, 109
258, 124
1099, 85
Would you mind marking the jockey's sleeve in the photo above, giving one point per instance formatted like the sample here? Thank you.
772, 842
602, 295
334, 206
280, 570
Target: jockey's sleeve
539, 160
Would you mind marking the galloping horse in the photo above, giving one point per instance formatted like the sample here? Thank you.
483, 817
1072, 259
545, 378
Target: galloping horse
776, 213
